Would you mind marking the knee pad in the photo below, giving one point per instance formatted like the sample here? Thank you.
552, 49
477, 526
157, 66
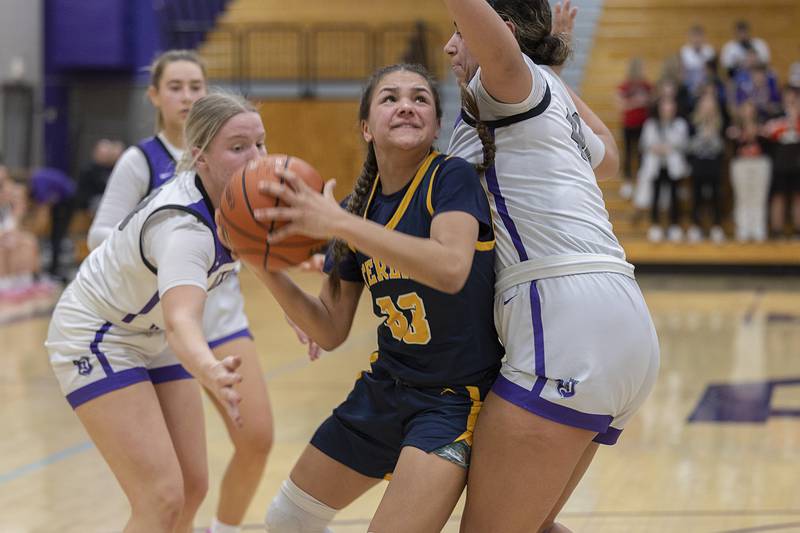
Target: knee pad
295, 511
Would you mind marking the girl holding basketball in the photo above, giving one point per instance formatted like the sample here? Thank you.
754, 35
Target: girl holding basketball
145, 287
416, 232
581, 349
177, 81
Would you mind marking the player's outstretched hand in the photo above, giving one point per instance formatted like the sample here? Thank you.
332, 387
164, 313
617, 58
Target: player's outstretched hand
564, 19
220, 378
313, 348
306, 211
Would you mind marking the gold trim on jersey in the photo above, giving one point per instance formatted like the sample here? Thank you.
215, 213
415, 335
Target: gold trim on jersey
484, 246
429, 198
475, 396
401, 209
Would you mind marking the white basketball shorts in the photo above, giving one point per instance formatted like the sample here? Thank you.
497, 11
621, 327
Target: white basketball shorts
91, 357
581, 350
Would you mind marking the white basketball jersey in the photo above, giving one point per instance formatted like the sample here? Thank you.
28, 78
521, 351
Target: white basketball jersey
543, 192
117, 281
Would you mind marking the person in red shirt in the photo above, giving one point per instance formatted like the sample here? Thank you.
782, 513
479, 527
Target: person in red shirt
634, 96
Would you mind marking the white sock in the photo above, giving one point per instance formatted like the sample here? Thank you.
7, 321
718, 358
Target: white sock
219, 527
295, 511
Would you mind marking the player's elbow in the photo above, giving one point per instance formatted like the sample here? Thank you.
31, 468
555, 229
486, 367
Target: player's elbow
453, 276
332, 341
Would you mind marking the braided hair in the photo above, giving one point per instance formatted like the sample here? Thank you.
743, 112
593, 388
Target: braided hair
357, 200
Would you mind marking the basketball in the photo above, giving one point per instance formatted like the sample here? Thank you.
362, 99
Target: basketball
248, 236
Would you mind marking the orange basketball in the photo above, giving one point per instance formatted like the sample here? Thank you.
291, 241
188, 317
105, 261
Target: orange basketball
248, 236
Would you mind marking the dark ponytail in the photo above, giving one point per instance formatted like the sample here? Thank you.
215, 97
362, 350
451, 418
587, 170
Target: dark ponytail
356, 203
533, 21
470, 104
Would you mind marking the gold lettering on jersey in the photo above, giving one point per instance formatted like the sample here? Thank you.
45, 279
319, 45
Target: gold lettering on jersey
374, 271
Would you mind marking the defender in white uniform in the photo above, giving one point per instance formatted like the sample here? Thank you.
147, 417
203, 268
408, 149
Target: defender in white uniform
107, 331
581, 350
147, 283
178, 79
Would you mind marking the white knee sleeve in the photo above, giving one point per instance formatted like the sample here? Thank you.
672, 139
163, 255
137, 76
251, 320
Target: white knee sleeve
294, 511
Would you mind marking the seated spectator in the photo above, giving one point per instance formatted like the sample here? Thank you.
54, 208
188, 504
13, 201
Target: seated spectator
19, 249
91, 184
695, 55
784, 134
706, 151
663, 147
751, 173
634, 97
735, 51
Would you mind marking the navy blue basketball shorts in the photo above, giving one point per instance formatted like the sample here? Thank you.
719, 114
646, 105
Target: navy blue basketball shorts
382, 415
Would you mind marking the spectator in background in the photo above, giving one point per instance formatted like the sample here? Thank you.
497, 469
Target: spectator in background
706, 151
663, 145
735, 51
695, 55
19, 249
91, 184
751, 173
672, 87
712, 82
757, 83
794, 75
784, 134
634, 98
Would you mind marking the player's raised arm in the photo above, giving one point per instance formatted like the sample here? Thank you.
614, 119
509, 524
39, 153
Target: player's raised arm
490, 39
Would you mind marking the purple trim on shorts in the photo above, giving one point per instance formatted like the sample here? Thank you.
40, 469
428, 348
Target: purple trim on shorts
538, 335
609, 438
227, 338
164, 374
94, 347
118, 380
146, 309
531, 401
502, 209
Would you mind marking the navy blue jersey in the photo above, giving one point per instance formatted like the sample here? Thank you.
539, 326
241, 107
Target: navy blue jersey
159, 161
429, 337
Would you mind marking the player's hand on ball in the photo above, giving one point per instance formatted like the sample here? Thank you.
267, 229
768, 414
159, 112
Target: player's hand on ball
220, 378
221, 235
306, 211
314, 264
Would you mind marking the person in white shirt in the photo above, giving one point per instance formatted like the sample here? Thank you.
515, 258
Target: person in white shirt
177, 81
665, 139
581, 349
695, 55
142, 289
734, 52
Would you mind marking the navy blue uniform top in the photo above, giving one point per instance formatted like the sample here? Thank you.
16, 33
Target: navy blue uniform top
428, 337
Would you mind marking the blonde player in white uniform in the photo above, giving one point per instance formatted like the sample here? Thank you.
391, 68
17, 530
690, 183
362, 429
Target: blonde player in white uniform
177, 81
144, 285
581, 350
